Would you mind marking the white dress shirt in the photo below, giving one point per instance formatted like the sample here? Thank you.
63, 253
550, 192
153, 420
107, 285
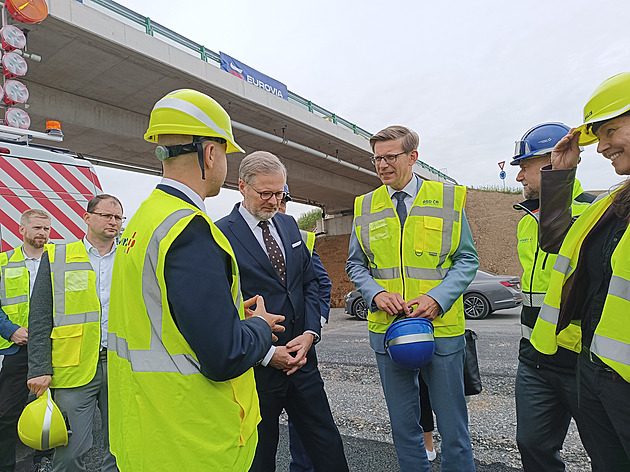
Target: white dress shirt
32, 265
103, 267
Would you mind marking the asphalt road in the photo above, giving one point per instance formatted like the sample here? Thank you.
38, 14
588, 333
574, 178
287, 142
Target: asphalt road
349, 370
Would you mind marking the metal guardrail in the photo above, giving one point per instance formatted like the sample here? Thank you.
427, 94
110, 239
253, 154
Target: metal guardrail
152, 28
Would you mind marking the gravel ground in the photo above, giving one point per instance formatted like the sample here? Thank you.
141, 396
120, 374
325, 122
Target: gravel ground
352, 383
350, 374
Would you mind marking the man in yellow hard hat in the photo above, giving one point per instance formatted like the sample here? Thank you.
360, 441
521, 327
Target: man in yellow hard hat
182, 343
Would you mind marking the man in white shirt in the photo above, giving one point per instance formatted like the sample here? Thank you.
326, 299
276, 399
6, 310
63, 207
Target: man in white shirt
104, 218
15, 289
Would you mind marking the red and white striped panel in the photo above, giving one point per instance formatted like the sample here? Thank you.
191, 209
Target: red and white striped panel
62, 190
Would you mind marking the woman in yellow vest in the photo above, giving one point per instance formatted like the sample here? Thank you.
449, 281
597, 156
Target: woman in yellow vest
590, 282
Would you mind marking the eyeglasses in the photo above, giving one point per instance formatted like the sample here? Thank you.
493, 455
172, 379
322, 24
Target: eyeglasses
389, 159
109, 216
267, 195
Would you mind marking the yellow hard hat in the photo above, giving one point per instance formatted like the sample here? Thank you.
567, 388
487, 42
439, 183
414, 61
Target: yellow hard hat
609, 100
193, 113
41, 424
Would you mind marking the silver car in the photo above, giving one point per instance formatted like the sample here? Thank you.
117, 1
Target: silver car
485, 294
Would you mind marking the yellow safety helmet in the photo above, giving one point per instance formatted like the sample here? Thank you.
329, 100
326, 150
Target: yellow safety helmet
193, 113
42, 425
609, 100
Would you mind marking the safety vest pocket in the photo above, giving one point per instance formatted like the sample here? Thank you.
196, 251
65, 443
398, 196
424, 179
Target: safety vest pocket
13, 281
77, 280
428, 236
247, 401
66, 345
378, 230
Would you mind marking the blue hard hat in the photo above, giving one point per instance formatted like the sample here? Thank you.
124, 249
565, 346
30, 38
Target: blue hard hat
538, 141
287, 195
409, 342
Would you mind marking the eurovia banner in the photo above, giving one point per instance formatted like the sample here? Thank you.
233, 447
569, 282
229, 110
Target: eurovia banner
237, 68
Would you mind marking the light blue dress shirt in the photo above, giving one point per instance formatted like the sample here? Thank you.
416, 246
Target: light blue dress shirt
103, 268
459, 276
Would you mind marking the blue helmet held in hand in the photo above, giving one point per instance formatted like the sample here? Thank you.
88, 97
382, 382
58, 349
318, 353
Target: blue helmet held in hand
410, 343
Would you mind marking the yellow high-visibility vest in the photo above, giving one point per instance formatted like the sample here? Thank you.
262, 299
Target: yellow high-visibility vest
537, 266
76, 332
164, 414
413, 261
15, 288
611, 340
309, 239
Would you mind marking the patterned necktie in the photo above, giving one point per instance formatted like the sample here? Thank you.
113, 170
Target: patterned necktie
401, 208
275, 254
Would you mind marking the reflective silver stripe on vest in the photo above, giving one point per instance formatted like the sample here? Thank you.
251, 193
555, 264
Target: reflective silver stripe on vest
59, 268
410, 338
391, 273
447, 214
6, 301
366, 218
426, 274
549, 314
47, 422
152, 360
526, 331
619, 287
533, 299
157, 358
304, 235
612, 349
562, 264
190, 109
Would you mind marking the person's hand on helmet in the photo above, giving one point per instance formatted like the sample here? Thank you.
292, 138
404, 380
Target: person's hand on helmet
566, 154
38, 385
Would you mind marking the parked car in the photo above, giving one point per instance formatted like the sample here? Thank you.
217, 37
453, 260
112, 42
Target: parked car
485, 294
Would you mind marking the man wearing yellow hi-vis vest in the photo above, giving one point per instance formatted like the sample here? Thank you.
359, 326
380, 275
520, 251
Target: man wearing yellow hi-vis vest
18, 269
70, 306
411, 253
182, 342
545, 389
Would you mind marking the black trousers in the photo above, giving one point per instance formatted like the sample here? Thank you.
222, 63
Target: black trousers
13, 396
426, 412
303, 397
605, 405
545, 402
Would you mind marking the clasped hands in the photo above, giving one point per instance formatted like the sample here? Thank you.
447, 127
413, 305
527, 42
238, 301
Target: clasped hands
394, 304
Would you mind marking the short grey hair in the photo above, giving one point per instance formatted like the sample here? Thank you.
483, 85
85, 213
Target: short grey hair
410, 139
260, 162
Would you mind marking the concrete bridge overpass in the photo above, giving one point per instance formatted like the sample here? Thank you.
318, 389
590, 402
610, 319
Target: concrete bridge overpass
104, 66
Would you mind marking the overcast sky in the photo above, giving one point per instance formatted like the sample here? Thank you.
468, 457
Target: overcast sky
469, 77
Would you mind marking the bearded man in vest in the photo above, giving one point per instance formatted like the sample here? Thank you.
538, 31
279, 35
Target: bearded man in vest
182, 343
546, 389
412, 254
71, 306
19, 268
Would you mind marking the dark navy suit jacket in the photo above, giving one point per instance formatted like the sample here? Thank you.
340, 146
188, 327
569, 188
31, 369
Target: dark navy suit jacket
198, 274
298, 299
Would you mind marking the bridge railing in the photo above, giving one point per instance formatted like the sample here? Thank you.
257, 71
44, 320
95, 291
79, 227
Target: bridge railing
153, 28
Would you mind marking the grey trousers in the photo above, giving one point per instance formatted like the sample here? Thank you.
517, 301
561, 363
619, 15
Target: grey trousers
80, 405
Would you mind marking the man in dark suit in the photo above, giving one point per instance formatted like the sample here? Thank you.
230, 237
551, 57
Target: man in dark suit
274, 262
